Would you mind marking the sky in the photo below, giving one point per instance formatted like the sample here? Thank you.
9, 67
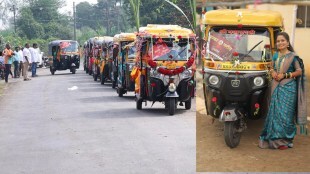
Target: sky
69, 5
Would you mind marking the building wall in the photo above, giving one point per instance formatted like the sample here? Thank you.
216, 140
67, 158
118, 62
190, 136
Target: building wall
301, 36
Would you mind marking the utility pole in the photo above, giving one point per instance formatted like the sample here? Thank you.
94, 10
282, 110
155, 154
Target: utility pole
108, 18
14, 11
74, 21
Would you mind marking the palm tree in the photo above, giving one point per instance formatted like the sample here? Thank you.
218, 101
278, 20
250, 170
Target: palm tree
135, 5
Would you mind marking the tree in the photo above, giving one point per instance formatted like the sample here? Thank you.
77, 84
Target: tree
160, 12
47, 21
85, 14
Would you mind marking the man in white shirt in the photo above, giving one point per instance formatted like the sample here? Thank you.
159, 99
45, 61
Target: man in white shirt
35, 58
26, 61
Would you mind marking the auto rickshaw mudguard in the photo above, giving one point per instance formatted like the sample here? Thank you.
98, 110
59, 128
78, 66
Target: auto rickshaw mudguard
211, 106
185, 89
156, 89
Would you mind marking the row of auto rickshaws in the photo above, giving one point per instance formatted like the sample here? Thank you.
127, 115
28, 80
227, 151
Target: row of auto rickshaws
157, 63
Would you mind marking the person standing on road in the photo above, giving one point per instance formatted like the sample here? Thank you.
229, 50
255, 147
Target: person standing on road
7, 53
35, 58
26, 61
20, 53
16, 60
288, 100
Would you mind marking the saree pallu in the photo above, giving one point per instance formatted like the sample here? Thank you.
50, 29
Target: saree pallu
279, 128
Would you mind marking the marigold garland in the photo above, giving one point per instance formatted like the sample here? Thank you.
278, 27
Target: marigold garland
176, 71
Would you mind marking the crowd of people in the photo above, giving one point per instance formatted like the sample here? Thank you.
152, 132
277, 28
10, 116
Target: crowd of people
21, 58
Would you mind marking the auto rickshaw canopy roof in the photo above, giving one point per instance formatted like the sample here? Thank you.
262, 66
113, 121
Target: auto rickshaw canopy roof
57, 42
165, 31
245, 17
100, 40
124, 37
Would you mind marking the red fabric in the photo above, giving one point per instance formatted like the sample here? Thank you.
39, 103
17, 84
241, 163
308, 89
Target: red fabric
64, 45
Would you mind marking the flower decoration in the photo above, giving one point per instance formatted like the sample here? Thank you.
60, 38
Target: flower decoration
239, 26
235, 59
217, 107
176, 71
257, 107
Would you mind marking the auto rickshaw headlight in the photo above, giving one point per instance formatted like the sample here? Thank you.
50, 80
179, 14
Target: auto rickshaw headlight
172, 87
214, 80
186, 74
258, 81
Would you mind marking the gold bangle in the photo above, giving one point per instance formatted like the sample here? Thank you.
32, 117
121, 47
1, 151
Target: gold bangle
291, 75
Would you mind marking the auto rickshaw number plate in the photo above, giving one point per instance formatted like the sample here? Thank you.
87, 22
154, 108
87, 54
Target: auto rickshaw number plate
171, 66
238, 67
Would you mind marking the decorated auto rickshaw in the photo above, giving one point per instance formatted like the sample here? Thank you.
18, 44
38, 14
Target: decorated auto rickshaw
63, 55
125, 62
238, 52
106, 62
85, 55
165, 55
90, 48
100, 54
114, 63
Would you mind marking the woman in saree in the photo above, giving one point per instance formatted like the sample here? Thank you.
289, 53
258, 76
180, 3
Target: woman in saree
287, 104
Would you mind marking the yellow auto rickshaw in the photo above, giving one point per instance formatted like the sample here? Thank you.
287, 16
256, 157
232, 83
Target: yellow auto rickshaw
100, 56
63, 55
124, 62
238, 52
165, 55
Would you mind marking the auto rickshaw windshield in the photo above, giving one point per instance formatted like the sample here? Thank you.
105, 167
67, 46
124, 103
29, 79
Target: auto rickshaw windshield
69, 46
169, 49
132, 52
252, 45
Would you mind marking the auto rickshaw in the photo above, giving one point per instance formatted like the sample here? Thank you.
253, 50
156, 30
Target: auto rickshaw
114, 63
100, 56
238, 53
165, 55
63, 55
125, 62
106, 62
90, 47
85, 55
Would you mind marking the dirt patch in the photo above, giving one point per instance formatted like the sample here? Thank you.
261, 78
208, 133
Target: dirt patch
212, 154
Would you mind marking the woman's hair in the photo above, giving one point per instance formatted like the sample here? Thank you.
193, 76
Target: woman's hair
287, 38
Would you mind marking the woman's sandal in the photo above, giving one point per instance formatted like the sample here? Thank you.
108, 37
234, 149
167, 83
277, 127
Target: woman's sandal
283, 147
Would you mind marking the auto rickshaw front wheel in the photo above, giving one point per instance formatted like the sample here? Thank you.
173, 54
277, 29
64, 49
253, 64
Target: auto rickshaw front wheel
120, 92
52, 71
188, 104
102, 79
231, 133
73, 70
172, 106
139, 103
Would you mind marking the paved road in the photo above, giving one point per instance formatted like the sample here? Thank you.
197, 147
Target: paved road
47, 128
